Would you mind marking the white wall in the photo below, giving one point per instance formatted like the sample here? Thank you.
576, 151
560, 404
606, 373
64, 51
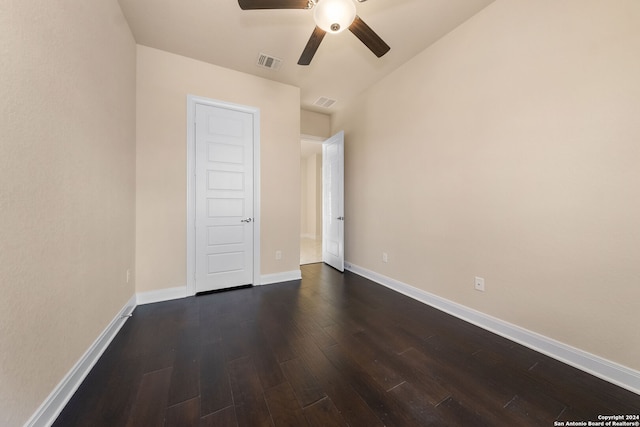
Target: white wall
509, 150
163, 83
67, 162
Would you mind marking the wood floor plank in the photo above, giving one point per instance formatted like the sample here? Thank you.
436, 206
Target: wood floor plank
383, 374
316, 333
453, 374
381, 403
88, 395
151, 398
468, 389
579, 389
185, 414
284, 407
304, 384
215, 389
410, 398
236, 337
277, 331
348, 338
536, 408
459, 415
351, 405
371, 356
209, 330
264, 358
185, 378
114, 406
157, 360
324, 413
248, 394
421, 372
223, 418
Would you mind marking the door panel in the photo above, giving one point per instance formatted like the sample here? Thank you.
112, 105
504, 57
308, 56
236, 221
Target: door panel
223, 198
333, 201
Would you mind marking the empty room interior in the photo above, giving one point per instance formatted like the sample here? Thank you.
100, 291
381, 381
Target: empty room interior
490, 223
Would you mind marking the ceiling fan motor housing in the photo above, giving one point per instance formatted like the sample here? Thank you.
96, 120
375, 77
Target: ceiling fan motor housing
334, 16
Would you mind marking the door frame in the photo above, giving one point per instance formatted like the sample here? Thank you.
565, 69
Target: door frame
192, 101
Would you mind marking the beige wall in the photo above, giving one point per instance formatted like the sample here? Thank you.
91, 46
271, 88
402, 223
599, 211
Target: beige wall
163, 83
67, 159
311, 194
315, 124
510, 150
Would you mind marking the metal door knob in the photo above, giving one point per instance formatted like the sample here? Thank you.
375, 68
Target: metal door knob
246, 220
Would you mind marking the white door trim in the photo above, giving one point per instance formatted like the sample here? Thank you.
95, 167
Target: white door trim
192, 101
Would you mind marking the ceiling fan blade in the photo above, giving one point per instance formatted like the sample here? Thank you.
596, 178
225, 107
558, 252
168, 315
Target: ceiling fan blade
273, 4
369, 37
312, 46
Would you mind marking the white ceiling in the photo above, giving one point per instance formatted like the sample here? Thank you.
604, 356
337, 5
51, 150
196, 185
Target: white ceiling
220, 33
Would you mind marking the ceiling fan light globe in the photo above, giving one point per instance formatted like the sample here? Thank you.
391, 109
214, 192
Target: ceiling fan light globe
334, 16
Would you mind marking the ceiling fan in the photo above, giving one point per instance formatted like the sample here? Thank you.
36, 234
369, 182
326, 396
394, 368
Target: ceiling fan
331, 16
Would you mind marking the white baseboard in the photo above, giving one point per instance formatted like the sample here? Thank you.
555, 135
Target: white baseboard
286, 276
161, 295
169, 294
62, 393
602, 368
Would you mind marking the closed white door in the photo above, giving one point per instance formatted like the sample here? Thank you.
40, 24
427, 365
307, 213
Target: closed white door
333, 201
224, 224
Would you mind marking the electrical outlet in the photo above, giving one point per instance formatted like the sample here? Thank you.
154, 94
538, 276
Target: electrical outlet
385, 257
479, 284
278, 254
128, 275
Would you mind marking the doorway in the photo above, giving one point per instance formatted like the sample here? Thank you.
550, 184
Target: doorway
311, 200
322, 207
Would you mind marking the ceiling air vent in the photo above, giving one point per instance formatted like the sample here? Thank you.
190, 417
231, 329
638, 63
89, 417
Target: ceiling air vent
324, 102
268, 61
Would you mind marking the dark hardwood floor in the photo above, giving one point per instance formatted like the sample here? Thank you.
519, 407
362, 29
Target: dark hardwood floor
332, 350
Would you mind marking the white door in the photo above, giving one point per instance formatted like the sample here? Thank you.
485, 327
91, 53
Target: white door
224, 224
333, 201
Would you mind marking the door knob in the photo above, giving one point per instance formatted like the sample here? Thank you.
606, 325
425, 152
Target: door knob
246, 220
340, 218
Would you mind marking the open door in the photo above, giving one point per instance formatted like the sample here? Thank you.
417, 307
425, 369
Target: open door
333, 201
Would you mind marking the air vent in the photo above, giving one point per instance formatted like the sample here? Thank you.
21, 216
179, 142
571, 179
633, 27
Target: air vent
324, 102
268, 61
